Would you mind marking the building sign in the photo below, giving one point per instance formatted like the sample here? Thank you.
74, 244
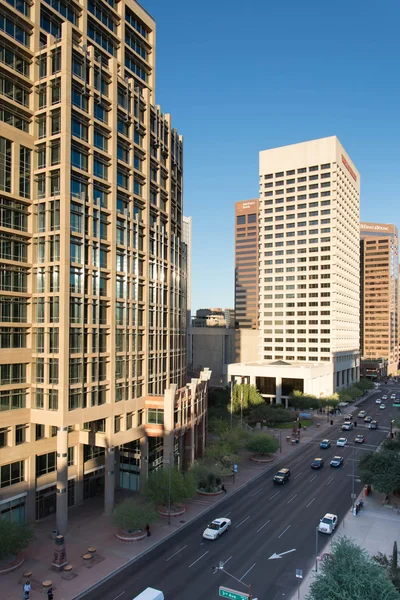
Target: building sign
246, 206
382, 228
348, 167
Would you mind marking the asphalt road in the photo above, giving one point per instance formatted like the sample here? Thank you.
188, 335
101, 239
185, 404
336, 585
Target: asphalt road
266, 519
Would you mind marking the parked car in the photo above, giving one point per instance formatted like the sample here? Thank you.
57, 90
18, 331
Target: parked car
328, 523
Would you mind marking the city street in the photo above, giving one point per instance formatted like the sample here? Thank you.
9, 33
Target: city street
267, 519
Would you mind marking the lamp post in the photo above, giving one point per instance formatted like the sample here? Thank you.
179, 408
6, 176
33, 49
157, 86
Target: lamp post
169, 488
220, 567
316, 549
231, 386
353, 493
241, 404
391, 429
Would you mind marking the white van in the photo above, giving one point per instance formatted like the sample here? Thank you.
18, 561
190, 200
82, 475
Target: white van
150, 594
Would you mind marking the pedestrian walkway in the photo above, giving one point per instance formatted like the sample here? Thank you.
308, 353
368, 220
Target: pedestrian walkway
375, 528
90, 528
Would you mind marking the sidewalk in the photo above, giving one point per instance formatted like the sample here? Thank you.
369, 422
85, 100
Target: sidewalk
375, 528
88, 526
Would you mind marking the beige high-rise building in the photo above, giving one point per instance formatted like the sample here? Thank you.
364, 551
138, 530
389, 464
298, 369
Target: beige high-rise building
93, 267
309, 277
379, 293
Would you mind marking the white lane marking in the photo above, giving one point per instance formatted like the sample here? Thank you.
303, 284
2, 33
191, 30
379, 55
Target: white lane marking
330, 481
262, 526
313, 478
248, 571
172, 556
241, 522
257, 492
119, 595
310, 503
224, 563
284, 531
289, 501
229, 513
274, 495
298, 475
200, 557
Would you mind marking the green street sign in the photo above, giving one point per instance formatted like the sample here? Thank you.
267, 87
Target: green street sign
396, 405
225, 592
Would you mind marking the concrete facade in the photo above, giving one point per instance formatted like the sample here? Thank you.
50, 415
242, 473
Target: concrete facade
214, 346
93, 263
246, 264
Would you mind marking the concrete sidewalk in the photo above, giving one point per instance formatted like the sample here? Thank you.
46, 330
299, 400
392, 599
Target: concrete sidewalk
375, 528
88, 526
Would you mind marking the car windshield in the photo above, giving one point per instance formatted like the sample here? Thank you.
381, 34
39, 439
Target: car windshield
281, 474
327, 521
213, 526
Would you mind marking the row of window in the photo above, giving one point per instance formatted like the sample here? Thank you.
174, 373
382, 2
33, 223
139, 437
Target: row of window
300, 170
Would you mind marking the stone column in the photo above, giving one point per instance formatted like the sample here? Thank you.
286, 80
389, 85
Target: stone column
30, 506
109, 480
278, 392
62, 480
144, 461
79, 485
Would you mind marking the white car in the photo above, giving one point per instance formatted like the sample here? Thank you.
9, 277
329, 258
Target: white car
384, 397
347, 426
393, 397
382, 406
216, 528
328, 523
341, 442
378, 401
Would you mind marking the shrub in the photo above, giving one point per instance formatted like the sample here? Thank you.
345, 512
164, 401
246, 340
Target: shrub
221, 453
207, 476
132, 515
262, 443
13, 538
181, 486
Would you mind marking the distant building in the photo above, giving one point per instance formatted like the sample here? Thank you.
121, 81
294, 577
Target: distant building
187, 239
307, 247
379, 302
246, 264
214, 317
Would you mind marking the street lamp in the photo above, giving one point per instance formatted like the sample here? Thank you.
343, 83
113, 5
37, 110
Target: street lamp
353, 493
220, 567
316, 549
391, 429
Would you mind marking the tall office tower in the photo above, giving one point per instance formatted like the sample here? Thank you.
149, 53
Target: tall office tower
246, 264
379, 293
308, 271
187, 239
93, 272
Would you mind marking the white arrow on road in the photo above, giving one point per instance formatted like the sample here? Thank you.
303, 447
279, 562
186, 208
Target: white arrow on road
275, 555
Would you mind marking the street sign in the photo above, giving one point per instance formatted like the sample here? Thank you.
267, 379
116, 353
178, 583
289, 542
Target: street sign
235, 468
299, 574
353, 496
225, 592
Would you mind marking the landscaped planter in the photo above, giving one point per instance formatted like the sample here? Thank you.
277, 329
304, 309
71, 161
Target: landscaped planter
262, 459
176, 511
129, 538
11, 565
204, 493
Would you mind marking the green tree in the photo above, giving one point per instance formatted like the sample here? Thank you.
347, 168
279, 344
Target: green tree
381, 470
245, 396
182, 486
221, 453
206, 475
364, 384
263, 444
235, 439
303, 401
390, 565
13, 538
132, 515
351, 574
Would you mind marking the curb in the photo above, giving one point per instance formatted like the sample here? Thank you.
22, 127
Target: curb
131, 561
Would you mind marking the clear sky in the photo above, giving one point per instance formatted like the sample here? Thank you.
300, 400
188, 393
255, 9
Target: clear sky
240, 77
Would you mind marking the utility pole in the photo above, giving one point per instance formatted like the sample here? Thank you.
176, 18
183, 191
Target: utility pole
221, 568
169, 488
316, 549
231, 386
241, 405
353, 494
391, 429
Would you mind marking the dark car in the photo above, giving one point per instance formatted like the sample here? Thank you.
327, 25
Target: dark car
282, 476
317, 463
337, 461
373, 425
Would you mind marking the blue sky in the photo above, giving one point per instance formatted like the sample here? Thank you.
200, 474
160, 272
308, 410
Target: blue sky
240, 77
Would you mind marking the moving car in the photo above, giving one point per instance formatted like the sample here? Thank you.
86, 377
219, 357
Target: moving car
150, 594
362, 414
393, 397
378, 401
328, 523
341, 442
317, 463
359, 439
382, 406
336, 461
216, 528
373, 425
348, 418
325, 444
282, 476
347, 426
368, 419
384, 397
